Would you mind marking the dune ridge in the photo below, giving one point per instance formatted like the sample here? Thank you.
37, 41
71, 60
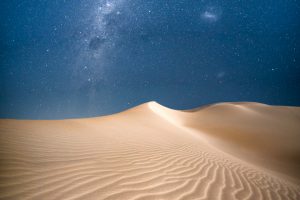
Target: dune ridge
221, 151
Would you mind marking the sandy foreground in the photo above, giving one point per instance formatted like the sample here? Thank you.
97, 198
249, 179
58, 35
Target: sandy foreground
221, 151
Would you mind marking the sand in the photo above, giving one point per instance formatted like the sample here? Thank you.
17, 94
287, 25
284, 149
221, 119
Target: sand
220, 151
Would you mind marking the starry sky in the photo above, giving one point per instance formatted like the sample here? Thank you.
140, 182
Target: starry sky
82, 58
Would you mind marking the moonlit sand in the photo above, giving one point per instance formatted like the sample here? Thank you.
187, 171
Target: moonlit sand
221, 151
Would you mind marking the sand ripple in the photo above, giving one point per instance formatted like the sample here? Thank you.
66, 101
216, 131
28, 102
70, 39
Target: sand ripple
134, 155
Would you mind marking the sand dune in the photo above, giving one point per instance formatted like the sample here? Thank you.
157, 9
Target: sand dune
221, 151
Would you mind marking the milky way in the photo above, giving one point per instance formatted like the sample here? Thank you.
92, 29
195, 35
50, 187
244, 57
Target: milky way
93, 57
100, 35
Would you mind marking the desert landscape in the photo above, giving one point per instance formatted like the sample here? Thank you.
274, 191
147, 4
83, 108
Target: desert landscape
220, 151
157, 100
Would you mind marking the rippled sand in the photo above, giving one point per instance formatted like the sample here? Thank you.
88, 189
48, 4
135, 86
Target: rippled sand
221, 151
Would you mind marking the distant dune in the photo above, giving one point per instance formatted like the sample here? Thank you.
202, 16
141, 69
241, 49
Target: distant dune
221, 151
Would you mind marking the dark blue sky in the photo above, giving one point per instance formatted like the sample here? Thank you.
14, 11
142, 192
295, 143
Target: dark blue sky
79, 58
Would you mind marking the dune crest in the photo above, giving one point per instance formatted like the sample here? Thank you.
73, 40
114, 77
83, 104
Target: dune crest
221, 151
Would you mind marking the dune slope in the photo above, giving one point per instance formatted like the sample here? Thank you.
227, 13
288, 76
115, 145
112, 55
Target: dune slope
221, 151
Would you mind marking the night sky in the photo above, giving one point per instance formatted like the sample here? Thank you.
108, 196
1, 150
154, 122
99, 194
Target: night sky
80, 58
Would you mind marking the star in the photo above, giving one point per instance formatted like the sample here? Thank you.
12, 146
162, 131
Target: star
220, 75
